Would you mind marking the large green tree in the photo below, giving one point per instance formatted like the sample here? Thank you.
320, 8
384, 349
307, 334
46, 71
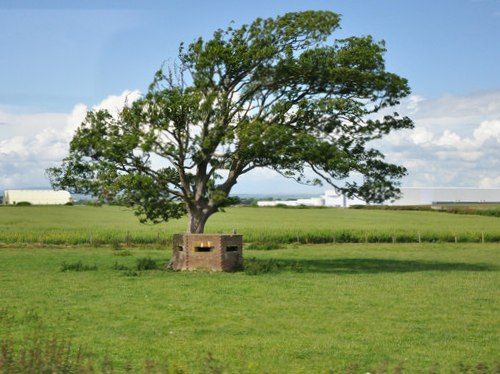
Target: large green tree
280, 93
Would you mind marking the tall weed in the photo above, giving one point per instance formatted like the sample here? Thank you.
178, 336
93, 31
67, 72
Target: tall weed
77, 266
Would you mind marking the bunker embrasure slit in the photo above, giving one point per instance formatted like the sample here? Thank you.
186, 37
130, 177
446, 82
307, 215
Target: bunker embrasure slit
203, 249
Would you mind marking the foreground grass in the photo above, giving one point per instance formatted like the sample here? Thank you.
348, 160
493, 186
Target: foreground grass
418, 306
108, 225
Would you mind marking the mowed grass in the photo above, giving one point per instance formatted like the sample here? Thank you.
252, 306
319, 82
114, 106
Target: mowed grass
108, 225
325, 307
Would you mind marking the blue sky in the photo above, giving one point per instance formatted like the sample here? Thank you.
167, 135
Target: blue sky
61, 58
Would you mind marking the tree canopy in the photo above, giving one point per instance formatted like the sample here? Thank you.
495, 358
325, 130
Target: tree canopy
279, 93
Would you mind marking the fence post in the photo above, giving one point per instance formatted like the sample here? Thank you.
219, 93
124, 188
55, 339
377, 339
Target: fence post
419, 238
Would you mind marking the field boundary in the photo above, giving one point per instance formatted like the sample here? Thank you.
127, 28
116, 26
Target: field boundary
261, 239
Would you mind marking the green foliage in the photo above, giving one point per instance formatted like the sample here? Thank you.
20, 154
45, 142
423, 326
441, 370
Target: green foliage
77, 266
23, 203
94, 203
117, 246
142, 264
118, 266
279, 93
264, 246
42, 355
146, 263
53, 355
488, 212
479, 209
131, 273
123, 253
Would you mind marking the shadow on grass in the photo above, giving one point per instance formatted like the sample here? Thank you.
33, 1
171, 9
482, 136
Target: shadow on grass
358, 266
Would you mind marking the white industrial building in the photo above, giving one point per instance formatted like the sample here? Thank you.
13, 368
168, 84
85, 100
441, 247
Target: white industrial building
330, 198
410, 196
36, 197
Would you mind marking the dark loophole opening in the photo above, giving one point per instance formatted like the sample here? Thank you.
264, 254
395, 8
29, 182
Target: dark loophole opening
232, 248
203, 249
180, 248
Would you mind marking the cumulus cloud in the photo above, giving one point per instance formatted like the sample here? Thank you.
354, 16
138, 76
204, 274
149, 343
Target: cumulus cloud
489, 182
488, 131
33, 142
114, 103
455, 142
422, 136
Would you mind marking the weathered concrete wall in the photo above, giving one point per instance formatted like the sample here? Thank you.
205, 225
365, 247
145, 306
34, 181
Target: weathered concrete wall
212, 252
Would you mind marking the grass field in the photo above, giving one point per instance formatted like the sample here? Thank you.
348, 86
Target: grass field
107, 225
357, 307
321, 307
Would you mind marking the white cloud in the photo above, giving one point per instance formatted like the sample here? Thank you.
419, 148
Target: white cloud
15, 146
489, 182
267, 181
75, 118
456, 141
422, 136
413, 101
33, 142
448, 139
114, 103
488, 131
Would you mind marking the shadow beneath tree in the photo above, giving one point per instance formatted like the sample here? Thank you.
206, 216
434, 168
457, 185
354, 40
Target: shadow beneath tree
356, 266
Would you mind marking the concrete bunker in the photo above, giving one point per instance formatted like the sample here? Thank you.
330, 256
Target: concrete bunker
212, 252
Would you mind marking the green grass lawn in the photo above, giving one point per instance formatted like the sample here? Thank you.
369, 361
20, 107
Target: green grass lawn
94, 225
358, 306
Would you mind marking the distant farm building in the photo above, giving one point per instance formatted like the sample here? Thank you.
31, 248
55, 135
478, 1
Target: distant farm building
330, 198
36, 197
410, 196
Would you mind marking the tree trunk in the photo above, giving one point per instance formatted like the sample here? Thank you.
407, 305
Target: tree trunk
197, 220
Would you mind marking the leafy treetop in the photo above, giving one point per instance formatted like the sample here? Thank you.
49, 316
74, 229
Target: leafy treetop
278, 94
